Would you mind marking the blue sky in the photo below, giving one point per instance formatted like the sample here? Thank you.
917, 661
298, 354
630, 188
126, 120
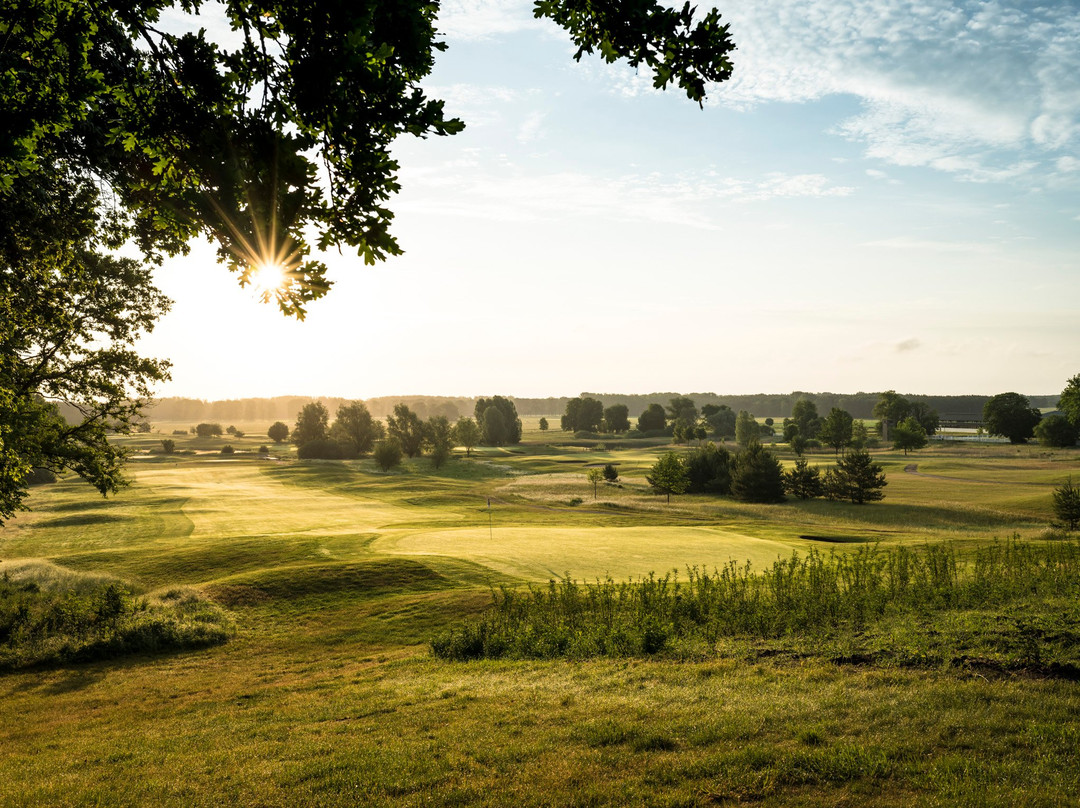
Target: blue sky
886, 195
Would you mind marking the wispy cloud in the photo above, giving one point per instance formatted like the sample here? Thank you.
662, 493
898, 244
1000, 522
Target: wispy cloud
957, 86
482, 19
531, 128
516, 195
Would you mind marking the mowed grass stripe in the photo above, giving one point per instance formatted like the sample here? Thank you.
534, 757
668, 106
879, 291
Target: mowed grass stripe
537, 553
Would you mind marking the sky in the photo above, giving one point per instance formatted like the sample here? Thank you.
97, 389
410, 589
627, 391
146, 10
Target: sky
886, 195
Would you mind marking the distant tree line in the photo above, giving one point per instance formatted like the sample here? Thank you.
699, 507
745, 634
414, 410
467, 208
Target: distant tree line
779, 405
355, 432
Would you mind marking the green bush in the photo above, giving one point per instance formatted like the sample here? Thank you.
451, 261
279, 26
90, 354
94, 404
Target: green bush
56, 624
815, 595
387, 454
1056, 431
327, 449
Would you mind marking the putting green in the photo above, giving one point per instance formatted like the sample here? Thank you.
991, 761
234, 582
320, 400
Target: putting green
538, 553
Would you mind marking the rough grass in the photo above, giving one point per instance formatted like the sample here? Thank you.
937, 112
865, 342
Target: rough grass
811, 598
327, 693
51, 616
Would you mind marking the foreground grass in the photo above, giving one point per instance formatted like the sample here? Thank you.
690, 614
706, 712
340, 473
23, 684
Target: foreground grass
352, 728
51, 616
338, 577
815, 601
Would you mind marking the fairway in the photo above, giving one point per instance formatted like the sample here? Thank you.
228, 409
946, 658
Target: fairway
337, 577
588, 553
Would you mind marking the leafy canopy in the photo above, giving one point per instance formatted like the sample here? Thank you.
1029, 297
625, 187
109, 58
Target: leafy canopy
283, 143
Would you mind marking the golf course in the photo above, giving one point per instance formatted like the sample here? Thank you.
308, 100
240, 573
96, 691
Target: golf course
329, 581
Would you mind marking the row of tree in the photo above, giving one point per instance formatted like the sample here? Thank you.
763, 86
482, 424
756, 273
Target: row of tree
756, 475
355, 432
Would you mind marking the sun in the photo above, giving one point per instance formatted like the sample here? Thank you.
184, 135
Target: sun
269, 277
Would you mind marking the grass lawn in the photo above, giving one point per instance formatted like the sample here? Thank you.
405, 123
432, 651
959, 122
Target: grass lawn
338, 575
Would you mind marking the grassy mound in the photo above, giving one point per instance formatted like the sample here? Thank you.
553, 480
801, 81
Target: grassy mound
1012, 605
52, 616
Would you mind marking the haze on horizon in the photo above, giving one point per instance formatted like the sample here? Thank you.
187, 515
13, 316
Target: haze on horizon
882, 198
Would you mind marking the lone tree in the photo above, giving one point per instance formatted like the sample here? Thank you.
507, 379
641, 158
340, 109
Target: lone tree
466, 433
387, 454
758, 476
617, 418
1069, 402
909, 435
543, 424
356, 425
835, 430
856, 477
803, 481
668, 475
208, 430
438, 438
747, 432
1067, 504
1010, 416
278, 432
595, 476
407, 429
709, 469
652, 419
611, 474
1056, 431
311, 424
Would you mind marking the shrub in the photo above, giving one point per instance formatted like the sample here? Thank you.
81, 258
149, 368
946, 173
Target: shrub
168, 446
180, 432
758, 476
327, 449
856, 477
1067, 504
611, 474
1056, 431
227, 449
208, 430
264, 449
803, 481
668, 475
709, 470
46, 623
439, 455
387, 453
813, 594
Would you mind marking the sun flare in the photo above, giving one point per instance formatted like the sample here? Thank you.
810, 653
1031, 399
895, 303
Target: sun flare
268, 277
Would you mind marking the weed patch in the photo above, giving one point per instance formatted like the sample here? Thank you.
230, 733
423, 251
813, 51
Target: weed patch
890, 601
45, 623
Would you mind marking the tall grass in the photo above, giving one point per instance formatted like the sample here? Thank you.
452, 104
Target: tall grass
50, 616
809, 594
